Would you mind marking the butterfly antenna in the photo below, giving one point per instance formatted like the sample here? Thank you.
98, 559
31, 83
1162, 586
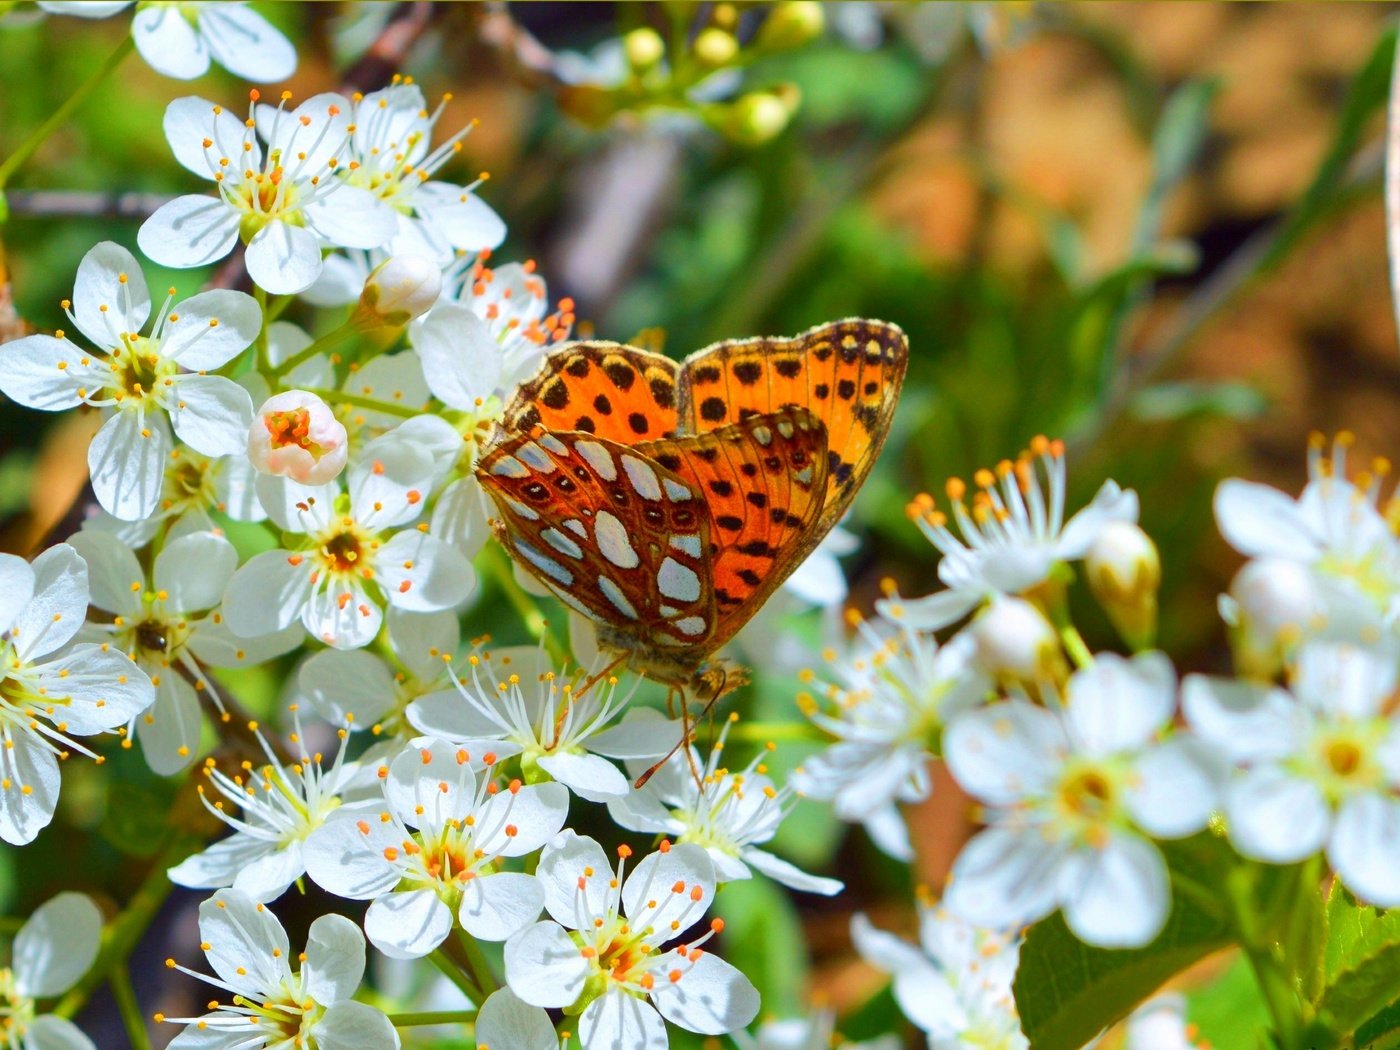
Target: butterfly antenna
593, 680
671, 696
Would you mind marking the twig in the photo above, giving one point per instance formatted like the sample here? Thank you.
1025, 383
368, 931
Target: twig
68, 203
386, 54
520, 52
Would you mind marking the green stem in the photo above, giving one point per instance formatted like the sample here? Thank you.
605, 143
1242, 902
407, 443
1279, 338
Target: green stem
476, 960
1271, 971
260, 295
121, 936
422, 1017
120, 981
60, 116
762, 732
360, 401
497, 564
323, 345
1075, 645
449, 968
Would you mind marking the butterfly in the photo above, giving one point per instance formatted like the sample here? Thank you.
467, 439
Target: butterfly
667, 501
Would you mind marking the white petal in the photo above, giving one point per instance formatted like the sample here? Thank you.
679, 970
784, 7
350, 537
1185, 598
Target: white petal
617, 1019
212, 414
536, 811
1118, 705
59, 605
188, 121
1175, 787
587, 776
348, 1025
100, 283
790, 875
459, 216
460, 516
495, 907
294, 507
84, 8
335, 959
16, 588
1004, 751
352, 218
636, 737
1110, 503
544, 967
57, 945
884, 950
505, 1020
218, 865
1365, 848
562, 863
169, 730
1259, 521
1117, 896
933, 612
281, 258
321, 138
115, 577
193, 230
127, 462
1005, 878
267, 594
712, 997
214, 644
45, 373
1344, 678
103, 688
420, 573
169, 44
27, 764
246, 44
342, 615
194, 570
1276, 817
1246, 722
394, 378
408, 924
422, 640
344, 859
50, 1032
213, 328
242, 938
685, 865
338, 683
461, 360
271, 875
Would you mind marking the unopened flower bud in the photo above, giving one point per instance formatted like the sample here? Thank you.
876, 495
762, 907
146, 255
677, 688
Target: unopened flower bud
399, 289
760, 116
1015, 642
297, 436
644, 48
715, 48
1124, 572
792, 24
1271, 605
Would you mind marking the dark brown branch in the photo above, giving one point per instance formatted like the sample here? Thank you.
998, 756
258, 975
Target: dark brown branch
520, 53
385, 56
82, 203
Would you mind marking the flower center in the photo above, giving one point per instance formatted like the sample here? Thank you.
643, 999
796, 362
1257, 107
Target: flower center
16, 1010
347, 549
1344, 761
1089, 796
139, 373
152, 637
1370, 572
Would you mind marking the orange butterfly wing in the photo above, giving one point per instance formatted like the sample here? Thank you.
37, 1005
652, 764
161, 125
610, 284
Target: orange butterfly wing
764, 480
617, 392
847, 373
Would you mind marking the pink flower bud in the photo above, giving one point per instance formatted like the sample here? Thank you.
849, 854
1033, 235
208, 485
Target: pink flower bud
296, 435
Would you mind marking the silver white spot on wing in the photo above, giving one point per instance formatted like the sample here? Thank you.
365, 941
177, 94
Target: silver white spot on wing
675, 581
676, 492
554, 445
614, 594
613, 542
545, 564
762, 435
597, 457
642, 477
535, 457
687, 544
576, 527
691, 625
562, 543
528, 513
785, 427
509, 467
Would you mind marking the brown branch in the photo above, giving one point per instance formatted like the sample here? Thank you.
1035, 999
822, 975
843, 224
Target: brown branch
43, 204
520, 53
385, 56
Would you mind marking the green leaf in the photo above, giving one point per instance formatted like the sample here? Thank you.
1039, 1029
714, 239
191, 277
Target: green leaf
1067, 992
1361, 965
763, 938
1171, 401
1178, 138
1228, 1011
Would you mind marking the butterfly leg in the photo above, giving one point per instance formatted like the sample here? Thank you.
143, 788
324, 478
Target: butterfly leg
672, 694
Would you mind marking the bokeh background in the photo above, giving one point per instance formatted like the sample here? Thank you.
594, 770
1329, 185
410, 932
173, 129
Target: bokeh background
1153, 229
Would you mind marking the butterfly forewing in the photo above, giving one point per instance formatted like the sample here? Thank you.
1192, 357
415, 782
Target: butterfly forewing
613, 534
614, 391
847, 373
764, 481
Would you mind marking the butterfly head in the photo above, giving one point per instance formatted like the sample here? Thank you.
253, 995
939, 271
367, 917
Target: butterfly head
715, 679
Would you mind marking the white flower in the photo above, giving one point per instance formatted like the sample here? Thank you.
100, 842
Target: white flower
1015, 642
1012, 534
1320, 764
393, 159
271, 1005
166, 626
297, 436
819, 580
1335, 530
605, 947
505, 1022
432, 854
890, 700
1273, 605
139, 381
352, 562
281, 804
285, 206
1071, 796
396, 291
514, 696
1160, 1024
51, 951
955, 985
728, 814
180, 39
52, 691
817, 1032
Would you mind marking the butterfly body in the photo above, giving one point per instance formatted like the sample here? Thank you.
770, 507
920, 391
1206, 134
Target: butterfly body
666, 502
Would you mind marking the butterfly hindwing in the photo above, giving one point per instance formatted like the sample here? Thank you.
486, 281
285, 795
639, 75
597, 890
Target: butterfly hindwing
616, 536
847, 373
764, 481
617, 392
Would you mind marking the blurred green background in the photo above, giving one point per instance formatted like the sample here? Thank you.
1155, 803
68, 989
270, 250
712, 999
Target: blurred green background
1155, 230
